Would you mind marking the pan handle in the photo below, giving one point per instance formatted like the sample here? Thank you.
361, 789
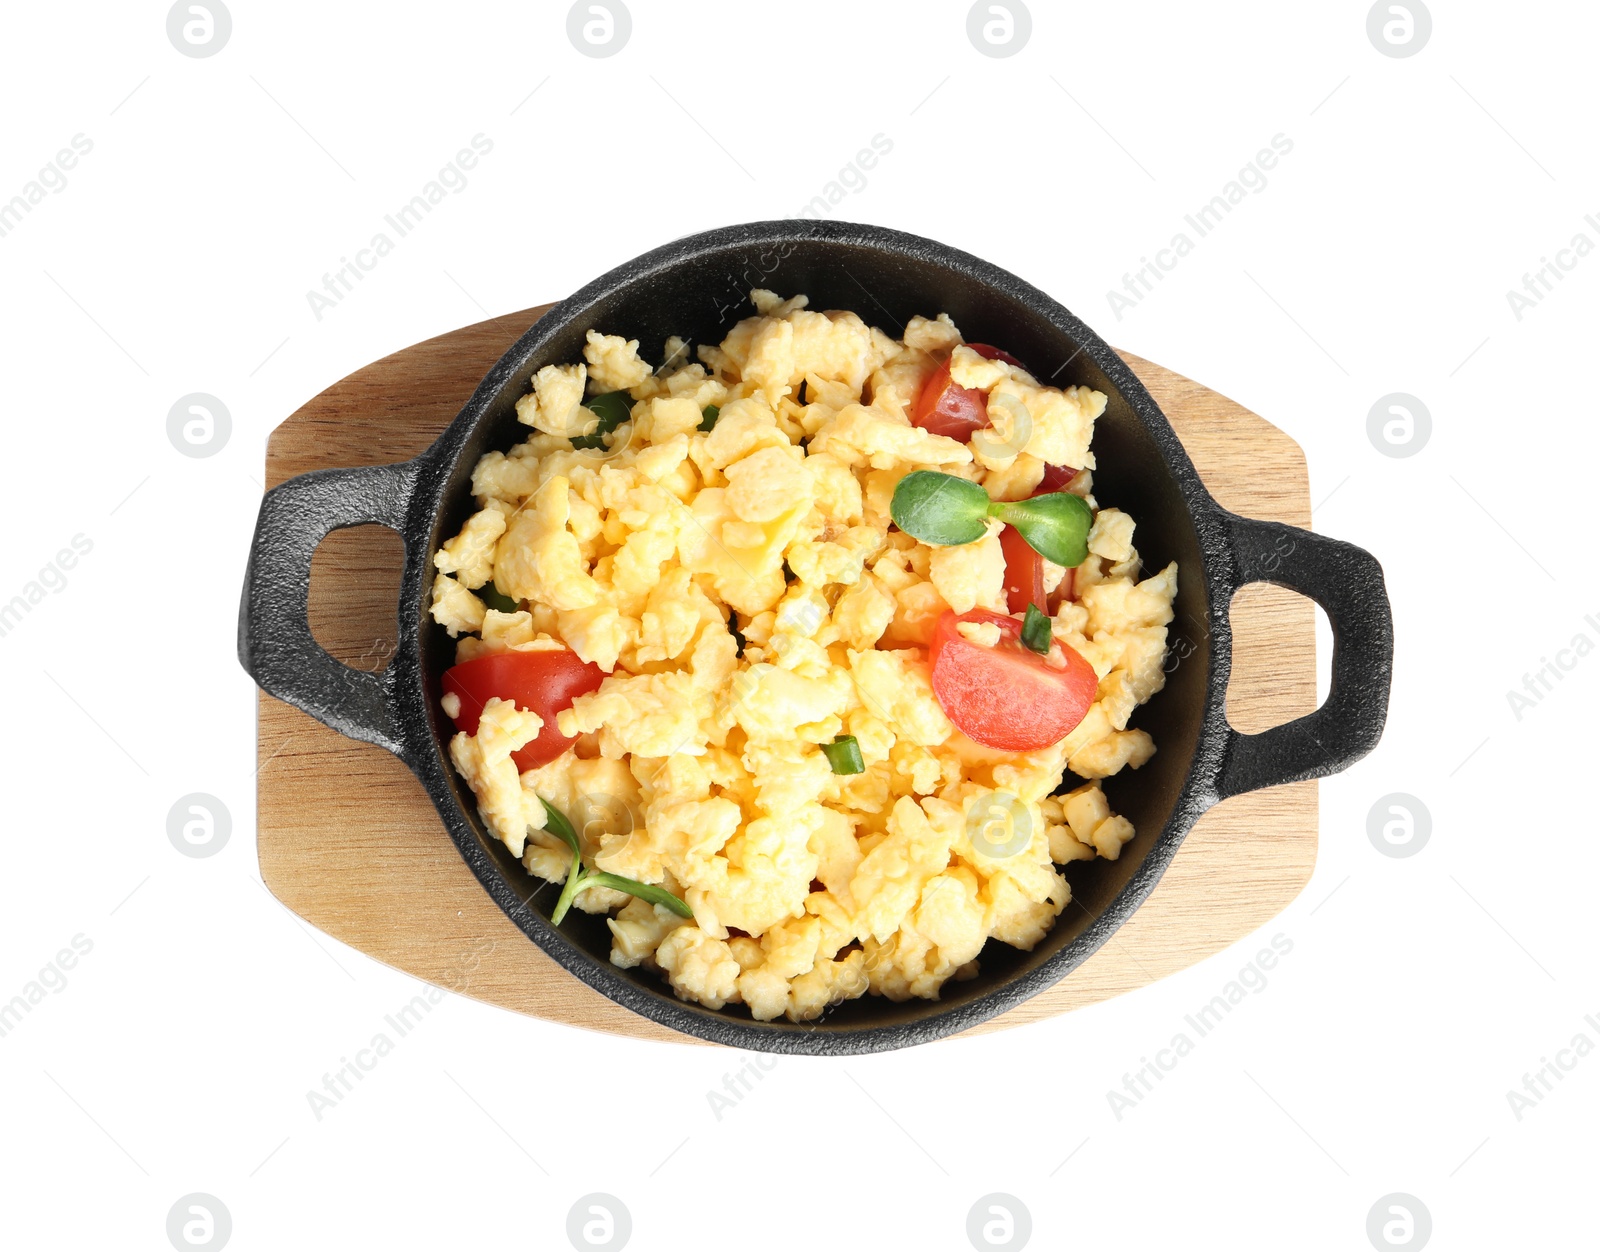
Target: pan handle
275, 642
1347, 582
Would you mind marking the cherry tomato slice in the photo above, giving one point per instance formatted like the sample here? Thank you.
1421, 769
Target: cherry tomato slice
540, 682
943, 408
1024, 572
1024, 566
1056, 477
1065, 590
946, 409
1008, 697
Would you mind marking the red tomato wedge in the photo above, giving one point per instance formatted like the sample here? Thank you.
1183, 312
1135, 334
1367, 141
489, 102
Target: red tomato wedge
946, 409
1065, 591
1055, 478
1024, 572
1024, 566
540, 682
956, 412
1008, 697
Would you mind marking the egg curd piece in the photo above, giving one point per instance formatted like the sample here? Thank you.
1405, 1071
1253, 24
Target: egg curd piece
763, 875
748, 598
973, 575
774, 703
484, 760
554, 407
538, 557
860, 436
890, 878
454, 607
644, 714
614, 363
470, 555
736, 535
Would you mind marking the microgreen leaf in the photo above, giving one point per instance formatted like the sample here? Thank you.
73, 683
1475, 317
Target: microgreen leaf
709, 415
612, 408
940, 508
1036, 630
579, 879
1055, 525
555, 821
569, 890
949, 511
645, 892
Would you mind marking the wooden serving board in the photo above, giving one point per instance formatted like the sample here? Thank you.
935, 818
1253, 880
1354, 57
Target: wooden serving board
348, 839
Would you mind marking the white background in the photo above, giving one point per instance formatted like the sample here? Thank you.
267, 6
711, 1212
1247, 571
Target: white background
177, 259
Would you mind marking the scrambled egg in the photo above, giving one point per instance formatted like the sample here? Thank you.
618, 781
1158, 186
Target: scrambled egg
748, 599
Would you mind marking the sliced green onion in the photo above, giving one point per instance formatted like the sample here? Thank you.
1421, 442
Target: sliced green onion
1036, 630
940, 508
496, 599
844, 754
613, 408
709, 415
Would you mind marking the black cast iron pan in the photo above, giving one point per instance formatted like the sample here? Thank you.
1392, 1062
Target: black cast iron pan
698, 287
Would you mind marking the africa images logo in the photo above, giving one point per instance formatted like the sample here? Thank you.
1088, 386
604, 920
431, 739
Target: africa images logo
451, 179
